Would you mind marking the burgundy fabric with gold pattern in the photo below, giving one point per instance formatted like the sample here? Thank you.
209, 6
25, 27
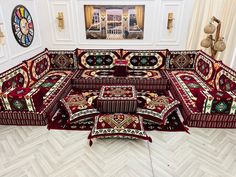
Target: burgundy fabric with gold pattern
118, 126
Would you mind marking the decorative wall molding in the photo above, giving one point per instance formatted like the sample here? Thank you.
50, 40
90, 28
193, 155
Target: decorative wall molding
67, 35
173, 38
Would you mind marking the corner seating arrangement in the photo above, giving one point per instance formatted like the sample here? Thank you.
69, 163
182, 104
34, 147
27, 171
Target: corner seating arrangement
205, 87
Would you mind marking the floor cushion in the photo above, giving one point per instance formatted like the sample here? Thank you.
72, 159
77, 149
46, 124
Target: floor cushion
118, 126
79, 106
156, 108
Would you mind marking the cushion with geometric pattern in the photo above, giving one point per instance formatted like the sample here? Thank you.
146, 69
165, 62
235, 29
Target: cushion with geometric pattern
118, 125
156, 108
216, 101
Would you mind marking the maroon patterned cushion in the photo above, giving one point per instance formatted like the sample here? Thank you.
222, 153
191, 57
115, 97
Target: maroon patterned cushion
62, 59
22, 99
78, 106
51, 82
97, 58
216, 102
183, 59
145, 59
156, 108
187, 85
117, 98
14, 77
204, 67
38, 66
118, 126
225, 79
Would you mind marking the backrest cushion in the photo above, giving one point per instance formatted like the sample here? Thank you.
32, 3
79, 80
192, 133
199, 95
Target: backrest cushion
181, 59
97, 58
145, 59
14, 77
225, 78
62, 59
38, 66
204, 66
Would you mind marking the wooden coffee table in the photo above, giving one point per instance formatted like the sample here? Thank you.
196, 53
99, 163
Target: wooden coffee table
117, 99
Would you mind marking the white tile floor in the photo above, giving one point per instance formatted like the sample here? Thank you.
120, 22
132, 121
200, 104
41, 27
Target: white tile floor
35, 151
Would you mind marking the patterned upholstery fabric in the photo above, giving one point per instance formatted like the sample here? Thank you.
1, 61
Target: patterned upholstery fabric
216, 102
97, 58
118, 126
62, 59
225, 79
188, 84
14, 77
117, 98
51, 82
22, 99
204, 67
38, 66
79, 106
142, 79
145, 59
181, 59
156, 108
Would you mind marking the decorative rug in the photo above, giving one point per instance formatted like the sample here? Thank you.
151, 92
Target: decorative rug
61, 120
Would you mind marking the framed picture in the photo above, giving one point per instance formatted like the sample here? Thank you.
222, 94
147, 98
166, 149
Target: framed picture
114, 21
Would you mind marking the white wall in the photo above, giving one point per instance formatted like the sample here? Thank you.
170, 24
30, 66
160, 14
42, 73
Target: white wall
44, 13
156, 34
12, 53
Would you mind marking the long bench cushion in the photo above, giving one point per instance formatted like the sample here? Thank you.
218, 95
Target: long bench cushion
55, 85
225, 79
14, 77
145, 59
142, 79
51, 82
187, 85
181, 59
97, 58
38, 66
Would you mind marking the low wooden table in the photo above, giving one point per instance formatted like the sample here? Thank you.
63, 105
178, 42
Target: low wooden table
117, 99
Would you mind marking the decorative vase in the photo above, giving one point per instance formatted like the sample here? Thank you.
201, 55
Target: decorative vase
206, 42
210, 28
220, 45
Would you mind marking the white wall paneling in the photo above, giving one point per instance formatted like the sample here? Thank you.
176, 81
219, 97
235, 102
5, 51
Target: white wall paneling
67, 35
3, 50
15, 52
181, 13
14, 48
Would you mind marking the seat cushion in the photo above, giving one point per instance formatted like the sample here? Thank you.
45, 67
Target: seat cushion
187, 84
142, 79
51, 82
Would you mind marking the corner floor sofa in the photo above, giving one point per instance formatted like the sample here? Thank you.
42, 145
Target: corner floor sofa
206, 88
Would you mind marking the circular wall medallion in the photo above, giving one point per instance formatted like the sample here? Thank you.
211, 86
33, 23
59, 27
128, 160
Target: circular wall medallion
22, 26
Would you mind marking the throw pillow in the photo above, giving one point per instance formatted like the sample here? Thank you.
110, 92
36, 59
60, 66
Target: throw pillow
118, 125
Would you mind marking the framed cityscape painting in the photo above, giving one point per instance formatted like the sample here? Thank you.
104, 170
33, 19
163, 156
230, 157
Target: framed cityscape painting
114, 21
